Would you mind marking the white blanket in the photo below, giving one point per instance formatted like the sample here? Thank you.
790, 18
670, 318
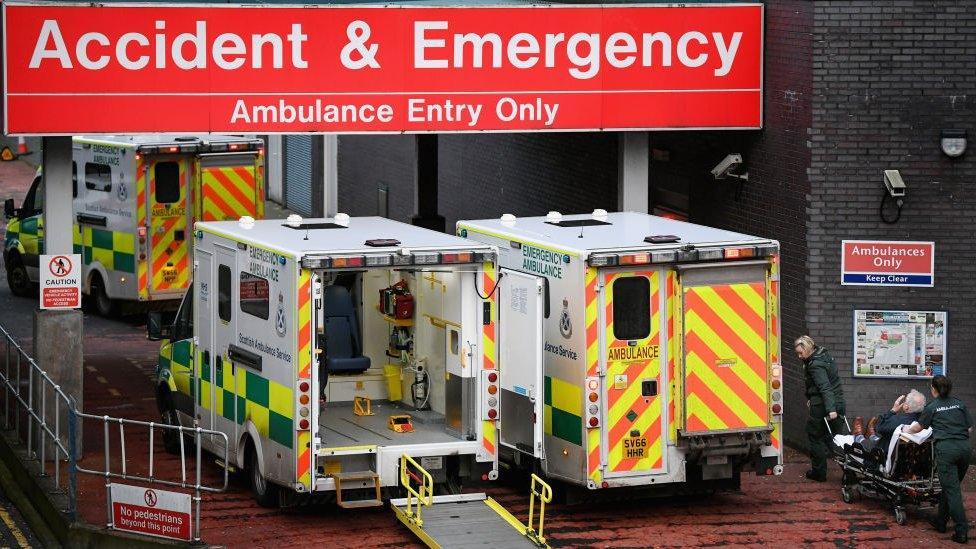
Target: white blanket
917, 438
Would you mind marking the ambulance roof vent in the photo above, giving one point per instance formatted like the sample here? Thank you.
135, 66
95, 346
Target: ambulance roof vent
508, 219
246, 222
294, 221
554, 217
342, 219
600, 214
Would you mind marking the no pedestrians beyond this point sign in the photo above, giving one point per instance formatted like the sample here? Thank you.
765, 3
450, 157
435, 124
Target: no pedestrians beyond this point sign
60, 281
887, 263
149, 511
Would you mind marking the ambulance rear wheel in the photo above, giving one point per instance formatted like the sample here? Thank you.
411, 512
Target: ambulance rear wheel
171, 437
17, 279
265, 493
104, 305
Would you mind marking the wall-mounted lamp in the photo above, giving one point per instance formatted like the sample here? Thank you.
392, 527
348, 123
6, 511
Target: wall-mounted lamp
953, 143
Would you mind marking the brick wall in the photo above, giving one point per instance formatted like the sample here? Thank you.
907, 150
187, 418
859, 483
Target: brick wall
484, 175
888, 75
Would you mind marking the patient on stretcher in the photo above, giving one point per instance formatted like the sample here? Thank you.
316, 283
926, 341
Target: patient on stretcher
875, 443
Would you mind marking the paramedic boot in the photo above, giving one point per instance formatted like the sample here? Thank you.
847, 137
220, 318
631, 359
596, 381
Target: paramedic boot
938, 524
813, 475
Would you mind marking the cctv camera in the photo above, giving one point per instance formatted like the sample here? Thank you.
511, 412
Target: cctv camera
894, 183
725, 167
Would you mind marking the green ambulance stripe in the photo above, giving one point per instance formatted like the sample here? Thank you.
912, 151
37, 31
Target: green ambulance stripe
563, 409
114, 249
258, 393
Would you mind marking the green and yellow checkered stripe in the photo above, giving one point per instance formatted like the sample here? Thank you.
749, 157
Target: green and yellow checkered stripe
265, 403
563, 412
177, 358
27, 233
115, 250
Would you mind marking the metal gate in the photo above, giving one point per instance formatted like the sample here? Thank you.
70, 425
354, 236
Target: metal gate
298, 173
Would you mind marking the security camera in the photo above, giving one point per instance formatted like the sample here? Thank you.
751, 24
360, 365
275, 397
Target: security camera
725, 167
894, 183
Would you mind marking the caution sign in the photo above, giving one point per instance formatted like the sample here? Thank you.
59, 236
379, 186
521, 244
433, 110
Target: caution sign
149, 511
60, 281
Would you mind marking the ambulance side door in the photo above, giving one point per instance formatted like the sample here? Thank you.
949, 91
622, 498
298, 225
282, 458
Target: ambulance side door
203, 296
225, 335
521, 311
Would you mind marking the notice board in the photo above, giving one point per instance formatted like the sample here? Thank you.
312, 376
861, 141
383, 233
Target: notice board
901, 344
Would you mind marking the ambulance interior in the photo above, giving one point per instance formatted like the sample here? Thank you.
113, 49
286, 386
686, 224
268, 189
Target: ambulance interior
393, 335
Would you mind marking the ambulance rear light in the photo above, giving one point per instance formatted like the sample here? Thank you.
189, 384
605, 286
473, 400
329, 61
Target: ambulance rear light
740, 253
634, 259
777, 409
171, 150
602, 260
593, 397
777, 371
427, 258
402, 259
218, 147
489, 407
776, 393
710, 254
350, 261
316, 262
379, 260
457, 257
482, 257
664, 257
234, 146
303, 425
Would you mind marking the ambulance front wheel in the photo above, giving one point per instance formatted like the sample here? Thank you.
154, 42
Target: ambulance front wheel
265, 493
17, 279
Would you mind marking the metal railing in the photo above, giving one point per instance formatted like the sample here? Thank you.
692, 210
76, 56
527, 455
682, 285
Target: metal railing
539, 489
33, 405
416, 497
123, 472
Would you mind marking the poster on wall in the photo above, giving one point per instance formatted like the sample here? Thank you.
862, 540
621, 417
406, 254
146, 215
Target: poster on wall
905, 344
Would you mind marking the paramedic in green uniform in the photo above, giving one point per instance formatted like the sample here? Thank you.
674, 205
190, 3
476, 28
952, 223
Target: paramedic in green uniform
825, 399
951, 424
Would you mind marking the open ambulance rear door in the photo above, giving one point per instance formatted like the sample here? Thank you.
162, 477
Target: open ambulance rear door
521, 311
727, 351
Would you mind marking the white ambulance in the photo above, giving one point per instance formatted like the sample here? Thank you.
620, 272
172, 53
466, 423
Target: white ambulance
135, 197
652, 352
326, 349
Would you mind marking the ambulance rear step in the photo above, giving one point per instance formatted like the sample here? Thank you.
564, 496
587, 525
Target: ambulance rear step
357, 480
466, 520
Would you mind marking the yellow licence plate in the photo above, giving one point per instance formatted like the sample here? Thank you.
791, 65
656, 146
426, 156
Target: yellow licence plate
635, 447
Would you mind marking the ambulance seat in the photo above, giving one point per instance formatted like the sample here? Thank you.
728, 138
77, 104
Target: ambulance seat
343, 346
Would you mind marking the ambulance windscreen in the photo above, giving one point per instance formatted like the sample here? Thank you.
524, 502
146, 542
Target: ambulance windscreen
578, 223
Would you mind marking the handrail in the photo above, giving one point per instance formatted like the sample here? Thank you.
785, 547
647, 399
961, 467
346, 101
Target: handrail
425, 496
31, 394
545, 496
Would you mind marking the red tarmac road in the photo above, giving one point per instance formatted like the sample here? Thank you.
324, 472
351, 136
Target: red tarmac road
773, 511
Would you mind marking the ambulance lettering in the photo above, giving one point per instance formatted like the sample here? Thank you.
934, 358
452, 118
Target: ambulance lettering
543, 262
634, 353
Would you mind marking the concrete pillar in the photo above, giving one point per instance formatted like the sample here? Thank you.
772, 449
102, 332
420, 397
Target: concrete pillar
58, 335
425, 184
58, 351
330, 175
275, 175
632, 172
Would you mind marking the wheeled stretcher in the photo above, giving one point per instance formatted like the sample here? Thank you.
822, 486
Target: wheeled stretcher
904, 477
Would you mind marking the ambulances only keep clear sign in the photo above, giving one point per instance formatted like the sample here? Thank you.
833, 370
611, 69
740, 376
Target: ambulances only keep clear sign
60, 280
887, 263
105, 68
150, 511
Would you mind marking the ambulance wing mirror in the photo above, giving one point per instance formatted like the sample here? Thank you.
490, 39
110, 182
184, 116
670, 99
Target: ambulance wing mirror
8, 209
156, 329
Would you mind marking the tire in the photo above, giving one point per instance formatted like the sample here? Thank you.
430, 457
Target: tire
17, 279
265, 493
901, 517
103, 304
168, 416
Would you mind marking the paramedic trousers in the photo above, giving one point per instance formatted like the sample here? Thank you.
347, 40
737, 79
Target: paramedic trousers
951, 461
820, 439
